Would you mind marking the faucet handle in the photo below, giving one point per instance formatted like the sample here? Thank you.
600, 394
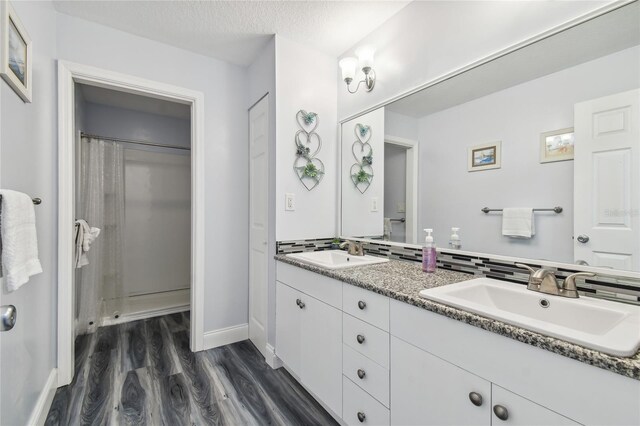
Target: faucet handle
527, 267
570, 281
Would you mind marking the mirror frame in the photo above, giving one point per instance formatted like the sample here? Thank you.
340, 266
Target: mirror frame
619, 273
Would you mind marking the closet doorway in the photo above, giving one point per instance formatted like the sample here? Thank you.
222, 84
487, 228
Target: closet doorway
130, 166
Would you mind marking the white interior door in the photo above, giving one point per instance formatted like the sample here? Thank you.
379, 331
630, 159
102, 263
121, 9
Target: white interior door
258, 216
607, 181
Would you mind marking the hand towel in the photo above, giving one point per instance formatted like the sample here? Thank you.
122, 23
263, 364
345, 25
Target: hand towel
387, 228
19, 239
85, 235
518, 222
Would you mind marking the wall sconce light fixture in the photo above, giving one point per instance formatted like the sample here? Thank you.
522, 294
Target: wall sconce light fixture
365, 60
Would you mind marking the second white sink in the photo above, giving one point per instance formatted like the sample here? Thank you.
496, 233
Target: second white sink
335, 259
609, 327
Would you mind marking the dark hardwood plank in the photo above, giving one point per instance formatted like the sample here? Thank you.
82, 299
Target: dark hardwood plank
175, 407
133, 346
160, 351
96, 405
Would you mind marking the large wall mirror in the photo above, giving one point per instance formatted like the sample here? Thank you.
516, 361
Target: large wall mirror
553, 126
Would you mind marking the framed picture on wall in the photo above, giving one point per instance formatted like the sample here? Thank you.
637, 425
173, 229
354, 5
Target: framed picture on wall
484, 157
556, 145
15, 52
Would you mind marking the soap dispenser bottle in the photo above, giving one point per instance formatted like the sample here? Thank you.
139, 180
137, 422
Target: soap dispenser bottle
454, 240
429, 253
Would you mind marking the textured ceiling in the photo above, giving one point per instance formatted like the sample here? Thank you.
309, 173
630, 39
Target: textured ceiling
235, 31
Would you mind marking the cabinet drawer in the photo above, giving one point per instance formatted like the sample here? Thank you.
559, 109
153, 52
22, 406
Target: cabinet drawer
375, 378
522, 412
366, 339
322, 288
356, 401
366, 305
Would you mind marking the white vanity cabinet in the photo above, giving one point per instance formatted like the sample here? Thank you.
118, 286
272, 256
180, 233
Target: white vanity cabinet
427, 390
309, 336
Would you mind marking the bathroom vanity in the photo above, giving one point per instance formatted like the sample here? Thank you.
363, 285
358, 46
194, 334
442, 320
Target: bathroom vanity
372, 351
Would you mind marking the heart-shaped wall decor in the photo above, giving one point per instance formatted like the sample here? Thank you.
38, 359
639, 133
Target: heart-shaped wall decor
310, 142
309, 171
363, 132
361, 176
308, 121
361, 150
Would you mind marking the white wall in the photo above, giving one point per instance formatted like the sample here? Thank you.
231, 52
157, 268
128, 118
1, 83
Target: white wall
428, 39
400, 125
226, 150
358, 217
108, 121
28, 147
452, 196
305, 79
262, 80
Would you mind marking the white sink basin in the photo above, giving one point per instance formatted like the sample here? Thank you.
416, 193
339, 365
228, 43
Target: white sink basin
609, 327
335, 259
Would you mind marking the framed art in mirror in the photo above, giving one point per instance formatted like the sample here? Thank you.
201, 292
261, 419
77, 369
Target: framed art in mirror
15, 53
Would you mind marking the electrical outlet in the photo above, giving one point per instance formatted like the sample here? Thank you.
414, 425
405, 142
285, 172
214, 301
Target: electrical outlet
374, 204
289, 202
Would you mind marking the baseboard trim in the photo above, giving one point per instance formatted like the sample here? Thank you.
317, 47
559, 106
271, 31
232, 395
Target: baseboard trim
271, 358
41, 410
225, 336
144, 315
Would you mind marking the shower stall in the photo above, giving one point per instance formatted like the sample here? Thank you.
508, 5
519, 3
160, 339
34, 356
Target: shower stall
133, 171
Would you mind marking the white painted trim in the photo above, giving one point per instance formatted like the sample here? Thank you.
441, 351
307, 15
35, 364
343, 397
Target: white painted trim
411, 197
272, 359
517, 46
226, 336
68, 74
107, 320
39, 414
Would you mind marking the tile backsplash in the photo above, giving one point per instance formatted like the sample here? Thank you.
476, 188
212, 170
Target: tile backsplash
602, 286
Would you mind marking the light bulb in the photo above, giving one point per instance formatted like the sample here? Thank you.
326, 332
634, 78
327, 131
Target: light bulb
348, 67
365, 57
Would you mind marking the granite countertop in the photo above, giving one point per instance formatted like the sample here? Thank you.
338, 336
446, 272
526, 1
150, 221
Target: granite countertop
404, 280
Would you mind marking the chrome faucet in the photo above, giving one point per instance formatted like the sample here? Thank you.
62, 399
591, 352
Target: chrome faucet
353, 248
545, 281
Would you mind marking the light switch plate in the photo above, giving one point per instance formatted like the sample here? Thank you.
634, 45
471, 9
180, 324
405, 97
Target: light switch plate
374, 204
289, 202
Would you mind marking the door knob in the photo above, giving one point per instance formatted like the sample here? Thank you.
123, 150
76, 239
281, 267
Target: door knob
360, 338
476, 398
362, 304
8, 317
361, 416
501, 412
361, 373
583, 238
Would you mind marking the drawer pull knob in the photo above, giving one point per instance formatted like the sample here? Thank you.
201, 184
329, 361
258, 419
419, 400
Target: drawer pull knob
361, 416
360, 338
362, 304
300, 303
361, 373
476, 398
501, 412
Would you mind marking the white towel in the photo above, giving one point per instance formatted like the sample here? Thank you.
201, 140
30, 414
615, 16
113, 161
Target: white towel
19, 239
387, 228
518, 222
85, 235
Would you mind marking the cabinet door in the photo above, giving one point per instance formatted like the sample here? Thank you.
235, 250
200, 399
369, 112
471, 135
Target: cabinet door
321, 370
426, 390
515, 410
288, 327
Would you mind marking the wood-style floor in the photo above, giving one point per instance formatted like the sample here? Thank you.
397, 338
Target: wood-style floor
143, 372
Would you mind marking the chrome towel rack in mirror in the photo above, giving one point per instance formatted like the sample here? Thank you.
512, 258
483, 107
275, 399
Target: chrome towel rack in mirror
556, 210
36, 201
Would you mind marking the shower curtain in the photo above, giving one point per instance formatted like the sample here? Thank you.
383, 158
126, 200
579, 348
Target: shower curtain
101, 204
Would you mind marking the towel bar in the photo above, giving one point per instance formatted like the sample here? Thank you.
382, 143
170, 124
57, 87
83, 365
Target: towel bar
35, 201
556, 210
